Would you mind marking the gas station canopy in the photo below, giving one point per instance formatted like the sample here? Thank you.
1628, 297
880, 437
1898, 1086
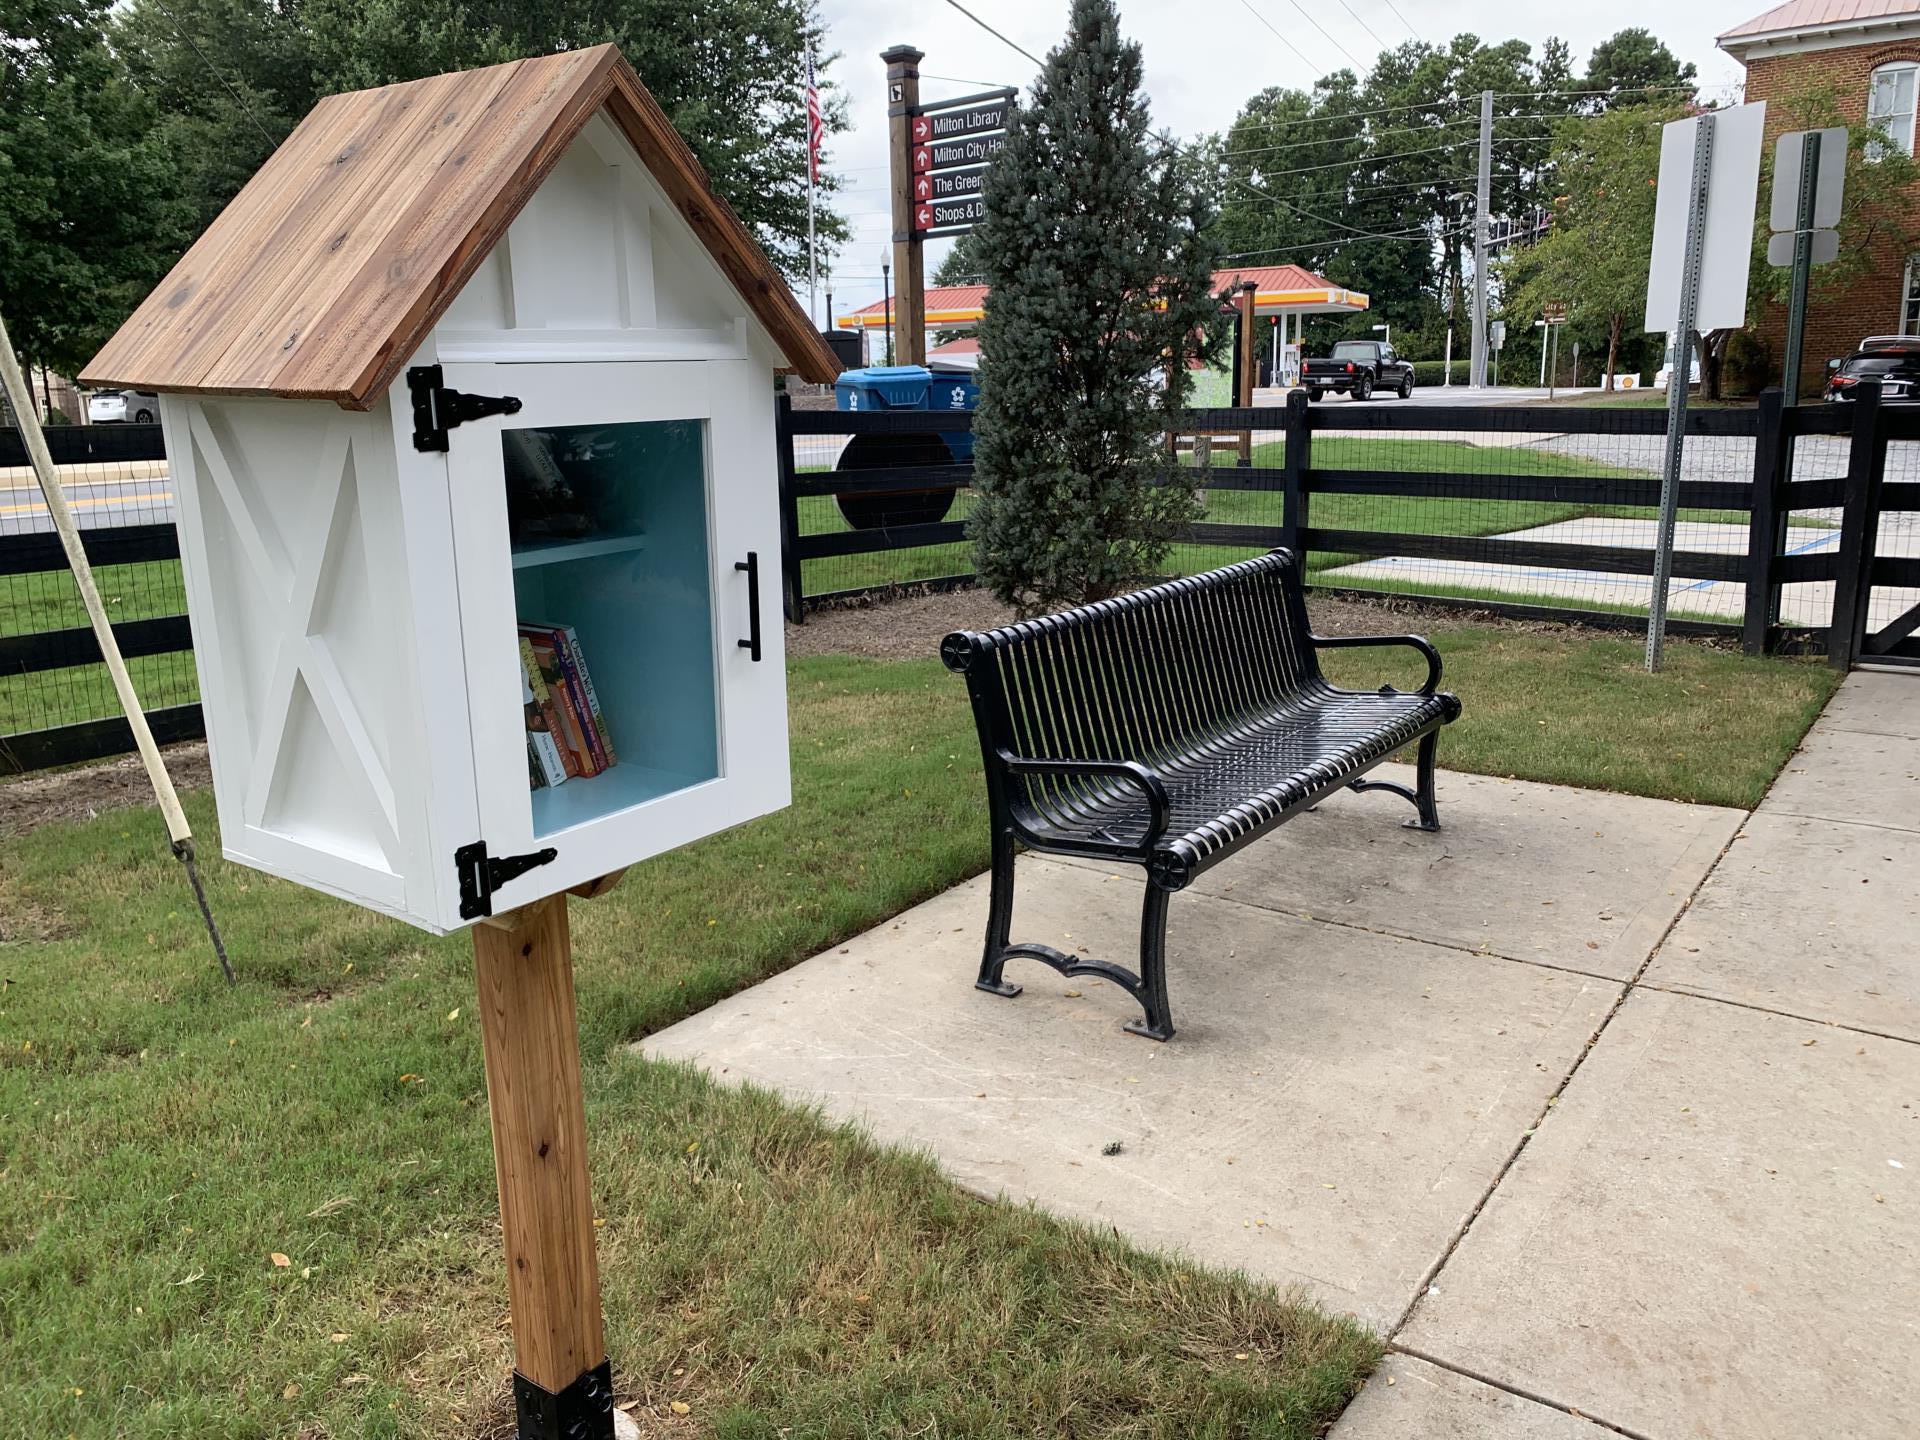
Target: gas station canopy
1279, 290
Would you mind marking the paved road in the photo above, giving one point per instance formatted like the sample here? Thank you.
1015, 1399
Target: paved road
98, 501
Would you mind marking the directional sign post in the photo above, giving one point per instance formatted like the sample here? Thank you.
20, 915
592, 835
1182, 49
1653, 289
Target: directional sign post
940, 153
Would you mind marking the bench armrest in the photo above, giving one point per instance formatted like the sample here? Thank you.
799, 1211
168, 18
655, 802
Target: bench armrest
1349, 642
1148, 783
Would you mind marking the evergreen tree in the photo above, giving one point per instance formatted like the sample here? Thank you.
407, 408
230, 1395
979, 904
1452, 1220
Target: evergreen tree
1095, 247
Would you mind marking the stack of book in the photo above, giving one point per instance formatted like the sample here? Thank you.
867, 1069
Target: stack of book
567, 735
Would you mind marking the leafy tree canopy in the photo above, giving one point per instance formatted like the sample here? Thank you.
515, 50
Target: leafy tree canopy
90, 213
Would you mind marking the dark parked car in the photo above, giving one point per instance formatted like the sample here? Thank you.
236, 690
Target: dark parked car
1893, 360
1358, 368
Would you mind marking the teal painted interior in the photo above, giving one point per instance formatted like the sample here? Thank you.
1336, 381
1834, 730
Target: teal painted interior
616, 546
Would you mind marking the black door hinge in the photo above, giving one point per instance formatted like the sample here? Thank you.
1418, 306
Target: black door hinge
437, 409
480, 876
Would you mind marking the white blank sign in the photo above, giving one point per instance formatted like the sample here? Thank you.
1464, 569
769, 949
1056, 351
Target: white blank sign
1733, 193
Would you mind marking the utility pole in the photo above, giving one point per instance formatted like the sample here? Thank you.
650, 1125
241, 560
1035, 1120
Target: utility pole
1482, 221
903, 98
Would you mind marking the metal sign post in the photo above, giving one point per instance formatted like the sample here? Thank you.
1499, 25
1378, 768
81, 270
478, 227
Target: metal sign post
1809, 174
1677, 384
1697, 281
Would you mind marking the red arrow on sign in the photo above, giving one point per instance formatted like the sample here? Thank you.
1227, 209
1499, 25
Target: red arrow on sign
922, 158
923, 217
922, 129
923, 187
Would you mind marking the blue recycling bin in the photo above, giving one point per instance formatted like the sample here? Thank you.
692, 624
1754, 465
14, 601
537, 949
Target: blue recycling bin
896, 388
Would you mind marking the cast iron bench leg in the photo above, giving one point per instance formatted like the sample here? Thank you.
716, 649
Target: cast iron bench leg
1149, 987
1421, 799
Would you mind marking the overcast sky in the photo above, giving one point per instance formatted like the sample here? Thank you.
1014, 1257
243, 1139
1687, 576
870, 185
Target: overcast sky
1204, 58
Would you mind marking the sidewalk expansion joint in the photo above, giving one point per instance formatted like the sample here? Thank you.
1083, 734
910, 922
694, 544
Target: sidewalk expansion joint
1627, 987
1839, 820
1458, 946
1515, 1390
1684, 993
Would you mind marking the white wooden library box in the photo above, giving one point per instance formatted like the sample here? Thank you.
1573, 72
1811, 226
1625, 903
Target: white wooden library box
475, 360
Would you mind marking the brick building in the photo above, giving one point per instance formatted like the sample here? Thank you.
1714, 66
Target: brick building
1867, 53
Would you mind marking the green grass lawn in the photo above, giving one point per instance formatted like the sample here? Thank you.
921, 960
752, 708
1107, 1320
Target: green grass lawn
162, 1136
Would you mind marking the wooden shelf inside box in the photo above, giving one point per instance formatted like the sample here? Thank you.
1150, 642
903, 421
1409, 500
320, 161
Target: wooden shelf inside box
556, 551
591, 798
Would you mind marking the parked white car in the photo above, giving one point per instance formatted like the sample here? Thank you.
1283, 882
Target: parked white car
1661, 376
114, 407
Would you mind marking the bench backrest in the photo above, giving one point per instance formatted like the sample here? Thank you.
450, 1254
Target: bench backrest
1157, 672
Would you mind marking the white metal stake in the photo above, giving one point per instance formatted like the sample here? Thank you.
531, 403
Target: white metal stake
1678, 374
178, 831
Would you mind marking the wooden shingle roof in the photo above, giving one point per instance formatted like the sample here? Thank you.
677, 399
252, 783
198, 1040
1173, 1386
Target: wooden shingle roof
332, 264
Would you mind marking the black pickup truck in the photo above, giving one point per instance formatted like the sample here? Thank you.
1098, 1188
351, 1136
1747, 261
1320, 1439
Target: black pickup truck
1358, 368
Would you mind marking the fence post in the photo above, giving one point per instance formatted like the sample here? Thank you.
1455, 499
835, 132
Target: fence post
1299, 460
1766, 523
1858, 520
793, 592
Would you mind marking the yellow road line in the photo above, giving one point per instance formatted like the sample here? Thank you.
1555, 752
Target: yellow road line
41, 508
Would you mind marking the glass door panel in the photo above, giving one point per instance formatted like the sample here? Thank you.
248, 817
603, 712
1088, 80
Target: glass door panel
608, 529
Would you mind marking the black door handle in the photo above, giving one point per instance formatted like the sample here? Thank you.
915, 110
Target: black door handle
752, 566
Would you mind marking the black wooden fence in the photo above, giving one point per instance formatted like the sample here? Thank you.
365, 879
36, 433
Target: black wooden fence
1760, 487
1298, 501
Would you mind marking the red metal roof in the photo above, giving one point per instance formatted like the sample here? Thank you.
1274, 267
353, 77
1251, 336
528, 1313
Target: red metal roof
1815, 14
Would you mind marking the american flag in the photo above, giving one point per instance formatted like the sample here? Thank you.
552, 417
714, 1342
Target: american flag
816, 127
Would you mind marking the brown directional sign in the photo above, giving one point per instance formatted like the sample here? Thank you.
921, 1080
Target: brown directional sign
949, 184
949, 214
1555, 312
952, 154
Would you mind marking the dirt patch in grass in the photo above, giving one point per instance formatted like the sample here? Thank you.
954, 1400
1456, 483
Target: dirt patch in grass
909, 626
84, 791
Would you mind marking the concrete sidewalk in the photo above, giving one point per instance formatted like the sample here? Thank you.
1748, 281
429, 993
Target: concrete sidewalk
1597, 1106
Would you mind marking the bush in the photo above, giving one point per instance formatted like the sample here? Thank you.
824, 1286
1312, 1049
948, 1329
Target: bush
1433, 372
56, 416
1748, 367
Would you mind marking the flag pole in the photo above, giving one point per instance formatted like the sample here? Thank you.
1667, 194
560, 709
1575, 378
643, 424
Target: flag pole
813, 166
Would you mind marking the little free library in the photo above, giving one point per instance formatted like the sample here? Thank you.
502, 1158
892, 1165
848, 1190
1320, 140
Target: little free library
469, 403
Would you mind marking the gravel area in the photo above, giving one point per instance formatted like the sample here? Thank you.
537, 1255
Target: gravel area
83, 791
910, 627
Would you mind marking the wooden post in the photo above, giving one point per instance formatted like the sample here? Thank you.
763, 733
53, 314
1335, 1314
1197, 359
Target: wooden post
792, 588
1249, 366
910, 306
562, 1382
1766, 525
1299, 460
1858, 521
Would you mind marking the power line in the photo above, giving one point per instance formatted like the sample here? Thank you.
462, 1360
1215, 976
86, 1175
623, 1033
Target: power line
1358, 136
1248, 4
993, 32
1362, 24
1403, 20
1366, 161
238, 98
1307, 16
1436, 235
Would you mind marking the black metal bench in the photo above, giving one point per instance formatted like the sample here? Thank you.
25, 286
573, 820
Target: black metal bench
1171, 727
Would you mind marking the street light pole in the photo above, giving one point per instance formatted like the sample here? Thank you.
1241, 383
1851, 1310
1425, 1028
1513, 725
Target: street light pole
886, 304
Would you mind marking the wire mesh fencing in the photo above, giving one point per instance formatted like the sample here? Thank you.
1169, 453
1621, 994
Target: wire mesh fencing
57, 701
